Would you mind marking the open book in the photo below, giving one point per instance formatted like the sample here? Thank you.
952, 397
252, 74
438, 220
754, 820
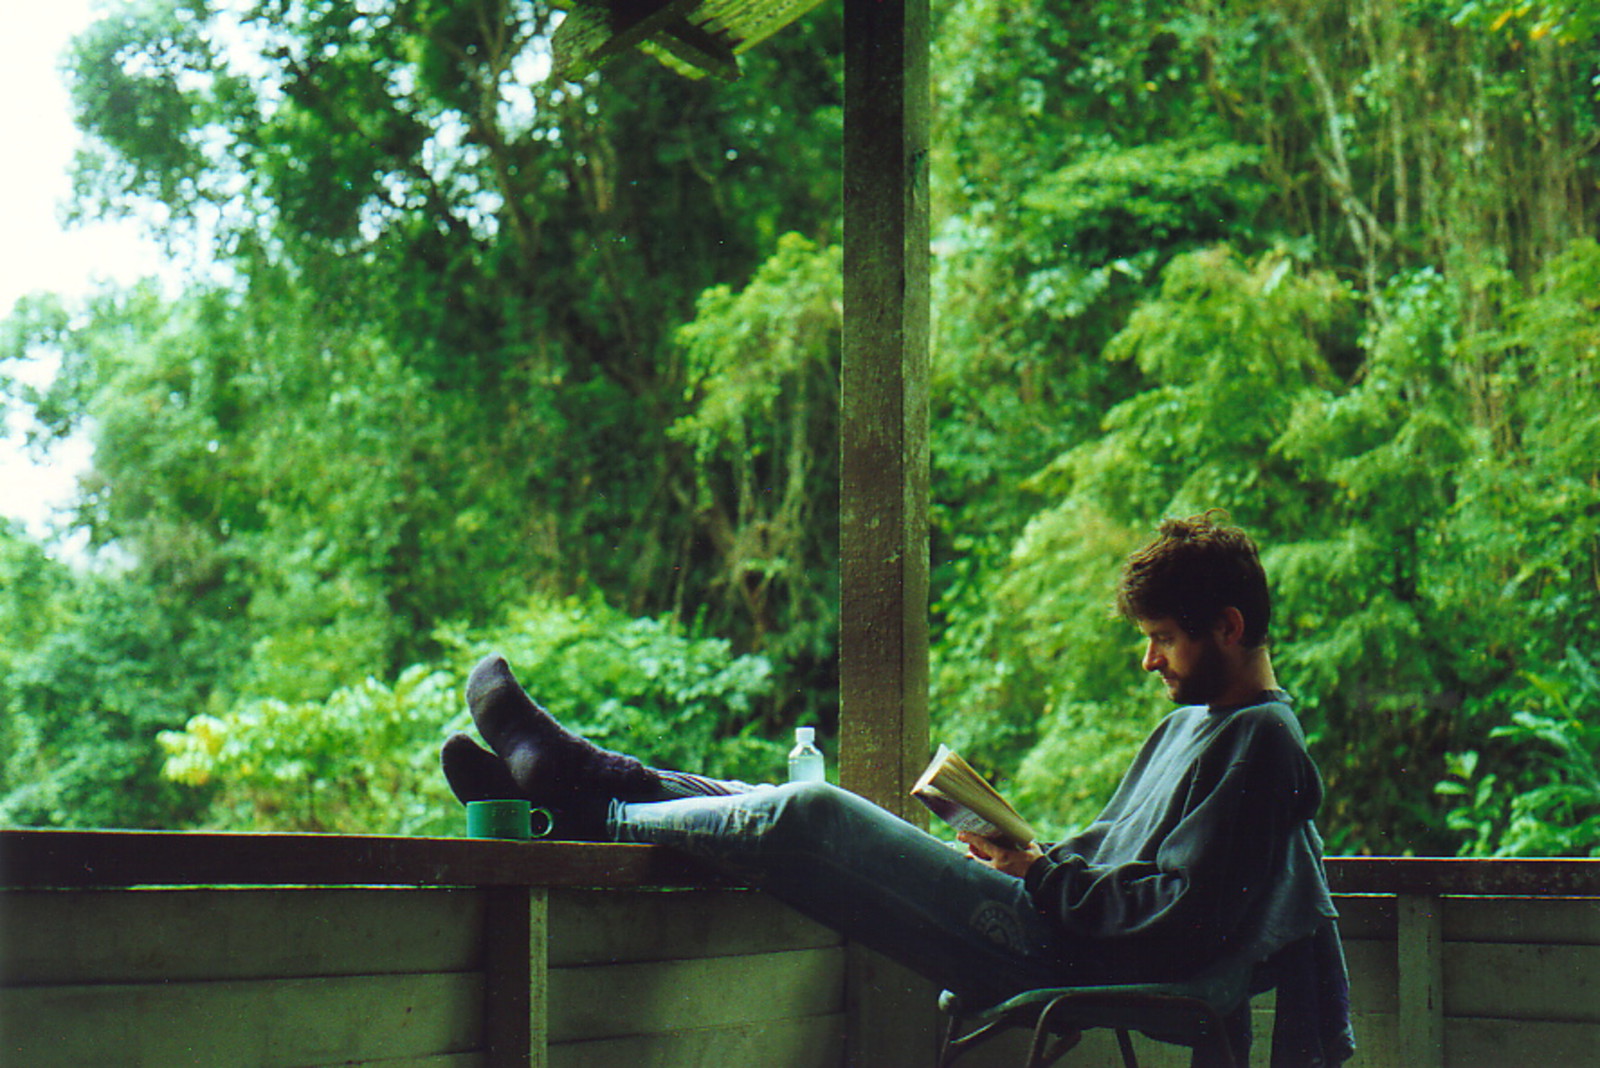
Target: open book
965, 800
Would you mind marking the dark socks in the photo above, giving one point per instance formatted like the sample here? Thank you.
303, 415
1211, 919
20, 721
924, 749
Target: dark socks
547, 763
474, 773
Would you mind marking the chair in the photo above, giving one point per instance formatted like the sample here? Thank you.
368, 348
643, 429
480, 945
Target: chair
1209, 1013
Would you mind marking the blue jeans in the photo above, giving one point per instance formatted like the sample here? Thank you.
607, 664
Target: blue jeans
877, 879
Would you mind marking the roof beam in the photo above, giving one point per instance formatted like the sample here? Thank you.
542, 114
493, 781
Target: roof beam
693, 37
593, 32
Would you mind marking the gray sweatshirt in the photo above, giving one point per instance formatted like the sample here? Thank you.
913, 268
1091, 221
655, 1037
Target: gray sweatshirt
1207, 849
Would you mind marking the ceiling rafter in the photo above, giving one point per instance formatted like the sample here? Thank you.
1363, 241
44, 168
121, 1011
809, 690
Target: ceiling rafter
697, 38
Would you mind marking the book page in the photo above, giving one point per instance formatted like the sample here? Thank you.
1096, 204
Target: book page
957, 794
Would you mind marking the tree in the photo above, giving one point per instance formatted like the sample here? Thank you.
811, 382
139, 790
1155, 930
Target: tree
460, 281
365, 760
476, 341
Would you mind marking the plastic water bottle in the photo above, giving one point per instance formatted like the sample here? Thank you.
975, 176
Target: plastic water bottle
806, 763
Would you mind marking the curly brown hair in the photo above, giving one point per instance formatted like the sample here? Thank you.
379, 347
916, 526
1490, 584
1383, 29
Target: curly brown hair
1191, 571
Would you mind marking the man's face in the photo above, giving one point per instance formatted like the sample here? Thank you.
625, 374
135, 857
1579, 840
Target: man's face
1195, 670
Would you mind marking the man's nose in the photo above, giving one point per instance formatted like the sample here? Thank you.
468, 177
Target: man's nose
1152, 659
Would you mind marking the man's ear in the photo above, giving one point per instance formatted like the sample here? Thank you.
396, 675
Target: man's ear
1229, 628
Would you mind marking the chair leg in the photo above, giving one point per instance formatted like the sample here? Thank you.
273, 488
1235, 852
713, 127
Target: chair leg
947, 1047
955, 1043
950, 1045
1215, 1046
1125, 1044
1041, 1053
1217, 1051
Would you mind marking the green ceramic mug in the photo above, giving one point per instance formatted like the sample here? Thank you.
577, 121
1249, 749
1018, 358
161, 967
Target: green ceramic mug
499, 819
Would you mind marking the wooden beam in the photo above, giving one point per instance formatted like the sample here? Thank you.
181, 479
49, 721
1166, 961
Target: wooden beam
883, 596
883, 535
693, 37
592, 31
516, 990
694, 50
48, 859
1428, 876
1420, 967
749, 22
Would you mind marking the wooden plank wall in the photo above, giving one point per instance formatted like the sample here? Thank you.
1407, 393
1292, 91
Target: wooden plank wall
415, 979
1435, 982
574, 957
642, 979
1474, 982
266, 978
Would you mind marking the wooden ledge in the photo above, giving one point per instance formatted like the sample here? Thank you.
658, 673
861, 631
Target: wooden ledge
40, 859
1465, 876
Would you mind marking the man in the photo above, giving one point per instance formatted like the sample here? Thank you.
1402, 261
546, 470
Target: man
1206, 851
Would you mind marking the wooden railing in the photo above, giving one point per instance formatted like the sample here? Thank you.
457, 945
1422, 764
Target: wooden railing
106, 859
169, 948
1458, 962
131, 948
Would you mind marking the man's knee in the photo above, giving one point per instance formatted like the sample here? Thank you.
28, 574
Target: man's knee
808, 811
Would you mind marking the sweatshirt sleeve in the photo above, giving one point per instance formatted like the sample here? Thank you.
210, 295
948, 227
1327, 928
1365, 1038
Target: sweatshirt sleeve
1223, 838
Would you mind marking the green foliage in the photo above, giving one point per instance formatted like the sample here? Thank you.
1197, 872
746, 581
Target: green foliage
1077, 152
1226, 345
1113, 212
642, 686
477, 344
1356, 381
35, 593
442, 369
1401, 582
365, 760
1547, 800
106, 670
763, 382
742, 349
133, 85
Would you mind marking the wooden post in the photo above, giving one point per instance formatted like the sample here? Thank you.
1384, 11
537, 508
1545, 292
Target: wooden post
516, 977
883, 597
1421, 963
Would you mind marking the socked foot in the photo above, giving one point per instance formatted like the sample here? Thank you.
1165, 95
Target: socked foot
545, 760
474, 773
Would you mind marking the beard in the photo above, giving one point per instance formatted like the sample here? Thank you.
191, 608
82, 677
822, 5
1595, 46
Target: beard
1205, 681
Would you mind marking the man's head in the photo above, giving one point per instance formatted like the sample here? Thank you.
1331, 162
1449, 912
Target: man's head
1199, 595
1194, 570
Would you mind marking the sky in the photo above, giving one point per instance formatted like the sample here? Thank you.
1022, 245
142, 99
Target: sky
36, 252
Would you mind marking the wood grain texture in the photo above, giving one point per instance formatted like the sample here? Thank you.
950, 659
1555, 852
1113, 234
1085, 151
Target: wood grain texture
112, 936
812, 1042
274, 1023
607, 1001
44, 859
642, 925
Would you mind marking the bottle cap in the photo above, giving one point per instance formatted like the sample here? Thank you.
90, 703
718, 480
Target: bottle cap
805, 735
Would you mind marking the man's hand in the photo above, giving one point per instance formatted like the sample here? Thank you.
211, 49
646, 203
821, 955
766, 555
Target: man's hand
1000, 858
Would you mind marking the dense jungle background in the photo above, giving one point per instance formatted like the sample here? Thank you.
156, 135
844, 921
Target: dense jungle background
475, 360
